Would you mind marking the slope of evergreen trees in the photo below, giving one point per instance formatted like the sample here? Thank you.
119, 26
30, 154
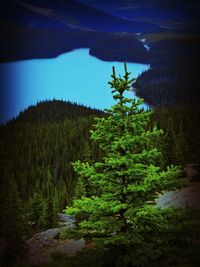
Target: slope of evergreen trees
173, 76
122, 48
181, 138
36, 151
119, 213
55, 111
37, 179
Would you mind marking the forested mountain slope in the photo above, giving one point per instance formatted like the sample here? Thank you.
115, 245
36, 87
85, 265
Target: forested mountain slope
37, 149
173, 76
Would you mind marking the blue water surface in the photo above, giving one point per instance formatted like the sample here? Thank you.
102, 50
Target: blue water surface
75, 76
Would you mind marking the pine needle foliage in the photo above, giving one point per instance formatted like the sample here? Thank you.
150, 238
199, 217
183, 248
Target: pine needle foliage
129, 179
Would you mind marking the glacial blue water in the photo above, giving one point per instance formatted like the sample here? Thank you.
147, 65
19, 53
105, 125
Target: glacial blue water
74, 76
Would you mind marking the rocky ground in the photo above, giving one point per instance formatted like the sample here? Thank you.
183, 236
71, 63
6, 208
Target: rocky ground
41, 245
187, 196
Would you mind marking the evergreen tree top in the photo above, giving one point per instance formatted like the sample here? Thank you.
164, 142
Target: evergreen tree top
128, 177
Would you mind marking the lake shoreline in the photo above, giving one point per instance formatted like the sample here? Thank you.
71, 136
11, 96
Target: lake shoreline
23, 43
54, 54
84, 83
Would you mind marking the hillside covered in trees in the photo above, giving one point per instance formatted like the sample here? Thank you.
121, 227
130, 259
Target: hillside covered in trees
36, 151
108, 179
37, 148
173, 76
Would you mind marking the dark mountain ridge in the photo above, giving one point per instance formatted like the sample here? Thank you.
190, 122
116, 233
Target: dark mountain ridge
55, 111
70, 13
178, 14
43, 29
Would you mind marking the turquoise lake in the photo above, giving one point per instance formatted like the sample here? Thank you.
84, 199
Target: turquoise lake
75, 76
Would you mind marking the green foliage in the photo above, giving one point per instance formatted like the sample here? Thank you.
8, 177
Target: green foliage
39, 146
36, 176
171, 80
13, 224
186, 132
181, 146
35, 208
169, 244
169, 144
48, 218
71, 233
128, 178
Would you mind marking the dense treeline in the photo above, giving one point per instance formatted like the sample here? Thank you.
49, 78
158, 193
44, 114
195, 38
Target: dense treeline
114, 203
173, 75
39, 145
37, 179
181, 139
55, 111
171, 52
121, 47
23, 43
122, 213
36, 151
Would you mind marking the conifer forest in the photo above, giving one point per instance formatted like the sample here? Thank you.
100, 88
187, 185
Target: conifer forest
99, 133
106, 169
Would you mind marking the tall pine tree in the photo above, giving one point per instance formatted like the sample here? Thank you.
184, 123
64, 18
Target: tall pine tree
129, 180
